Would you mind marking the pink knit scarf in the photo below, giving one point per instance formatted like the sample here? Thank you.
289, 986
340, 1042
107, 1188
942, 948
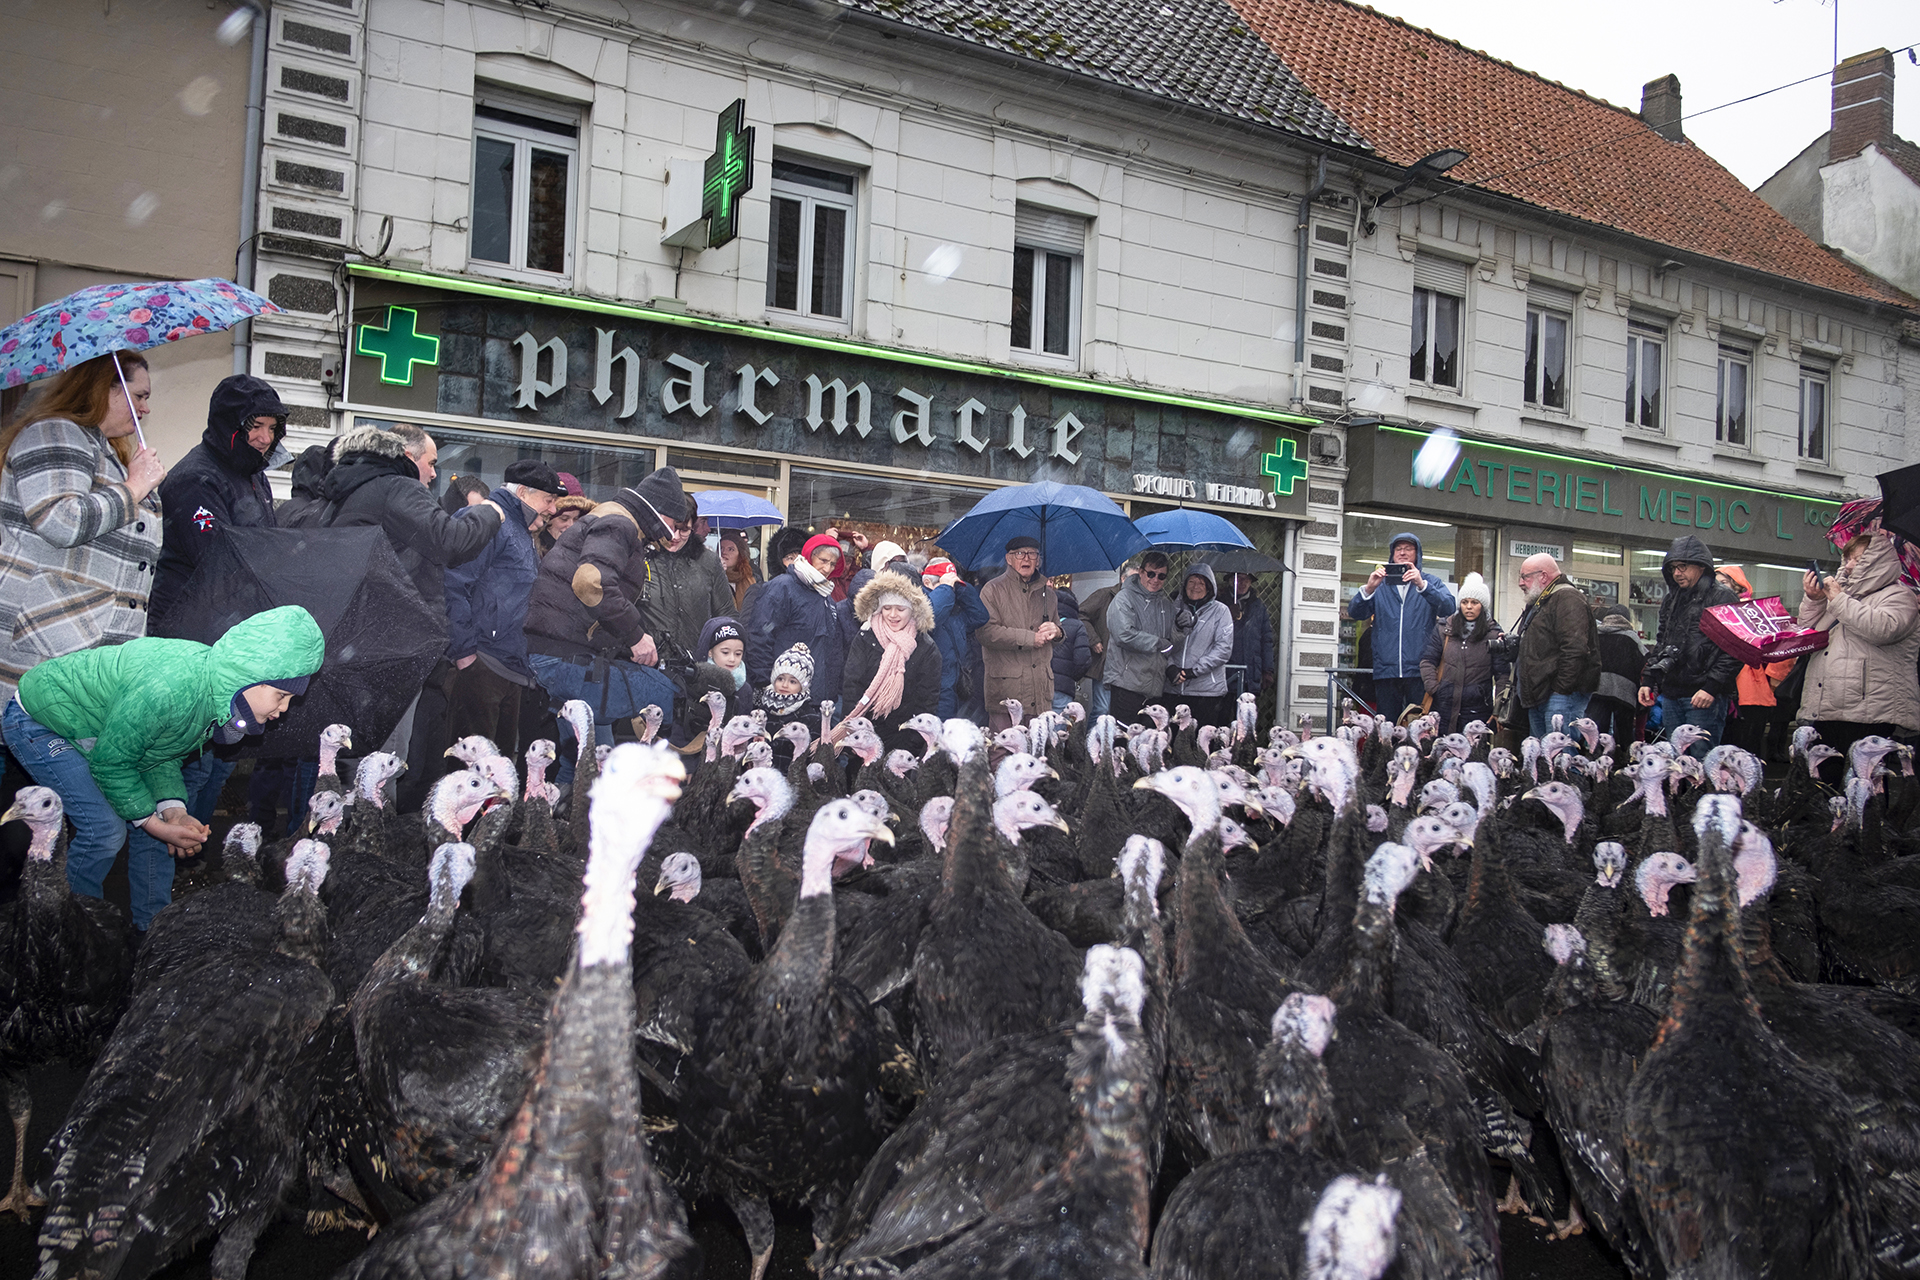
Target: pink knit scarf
890, 681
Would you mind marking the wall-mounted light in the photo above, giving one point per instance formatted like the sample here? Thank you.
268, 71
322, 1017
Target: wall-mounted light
1430, 166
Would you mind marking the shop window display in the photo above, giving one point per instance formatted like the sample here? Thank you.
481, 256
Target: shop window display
1450, 552
884, 508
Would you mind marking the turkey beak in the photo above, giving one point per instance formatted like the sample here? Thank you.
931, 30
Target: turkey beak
1061, 823
11, 815
1253, 807
346, 743
880, 832
446, 753
660, 884
1053, 773
1534, 794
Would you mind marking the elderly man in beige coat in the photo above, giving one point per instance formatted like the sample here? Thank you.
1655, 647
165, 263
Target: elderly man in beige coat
1864, 681
1023, 621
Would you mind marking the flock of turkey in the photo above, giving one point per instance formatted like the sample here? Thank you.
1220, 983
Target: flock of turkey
957, 1004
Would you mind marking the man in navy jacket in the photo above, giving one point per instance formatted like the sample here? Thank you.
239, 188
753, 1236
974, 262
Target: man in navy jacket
487, 612
1404, 608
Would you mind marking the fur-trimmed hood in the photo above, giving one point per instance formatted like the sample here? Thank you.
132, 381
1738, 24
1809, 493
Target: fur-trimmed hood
899, 584
370, 439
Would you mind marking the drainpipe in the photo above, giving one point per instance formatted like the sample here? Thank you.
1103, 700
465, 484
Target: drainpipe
1300, 288
1283, 687
250, 182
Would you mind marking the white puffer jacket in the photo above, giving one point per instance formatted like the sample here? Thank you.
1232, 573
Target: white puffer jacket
1866, 673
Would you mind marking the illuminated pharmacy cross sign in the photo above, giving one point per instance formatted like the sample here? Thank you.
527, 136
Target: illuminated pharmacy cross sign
729, 175
1285, 467
398, 346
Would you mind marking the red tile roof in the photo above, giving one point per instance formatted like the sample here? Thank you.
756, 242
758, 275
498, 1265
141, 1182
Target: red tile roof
1411, 93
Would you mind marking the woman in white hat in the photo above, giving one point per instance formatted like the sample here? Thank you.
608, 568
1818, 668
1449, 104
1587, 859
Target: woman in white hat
1465, 678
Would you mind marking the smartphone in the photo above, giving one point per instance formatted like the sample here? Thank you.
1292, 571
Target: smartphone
1813, 567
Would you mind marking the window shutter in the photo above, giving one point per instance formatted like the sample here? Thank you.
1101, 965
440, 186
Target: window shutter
1441, 275
1045, 229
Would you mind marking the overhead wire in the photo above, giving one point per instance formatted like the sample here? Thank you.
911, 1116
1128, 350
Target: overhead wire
1608, 141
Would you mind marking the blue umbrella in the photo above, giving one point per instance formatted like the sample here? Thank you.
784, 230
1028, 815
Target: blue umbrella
1185, 530
732, 509
1079, 529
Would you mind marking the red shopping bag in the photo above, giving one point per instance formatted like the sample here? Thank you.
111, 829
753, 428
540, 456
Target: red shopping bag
1760, 631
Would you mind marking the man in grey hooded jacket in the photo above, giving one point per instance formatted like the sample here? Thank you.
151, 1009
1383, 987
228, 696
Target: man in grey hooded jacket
1139, 638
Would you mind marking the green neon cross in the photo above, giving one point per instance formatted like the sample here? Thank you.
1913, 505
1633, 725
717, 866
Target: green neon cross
399, 344
1284, 467
728, 175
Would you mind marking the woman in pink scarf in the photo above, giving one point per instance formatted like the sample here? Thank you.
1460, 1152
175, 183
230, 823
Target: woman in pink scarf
893, 666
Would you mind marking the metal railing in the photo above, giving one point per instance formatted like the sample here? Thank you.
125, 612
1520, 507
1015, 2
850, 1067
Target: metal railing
1337, 686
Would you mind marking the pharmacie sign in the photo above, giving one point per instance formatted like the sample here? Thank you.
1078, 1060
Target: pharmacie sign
511, 357
1499, 484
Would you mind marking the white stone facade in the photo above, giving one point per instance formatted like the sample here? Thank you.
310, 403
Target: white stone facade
1189, 269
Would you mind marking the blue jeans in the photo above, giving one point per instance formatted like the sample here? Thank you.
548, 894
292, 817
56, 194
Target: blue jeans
99, 832
1392, 695
206, 775
1675, 712
629, 688
1571, 706
1102, 700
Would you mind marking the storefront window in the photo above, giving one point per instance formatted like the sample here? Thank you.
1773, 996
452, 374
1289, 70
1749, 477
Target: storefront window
599, 470
882, 507
1646, 588
1447, 551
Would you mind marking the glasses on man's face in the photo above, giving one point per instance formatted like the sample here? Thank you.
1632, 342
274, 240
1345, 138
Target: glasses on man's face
1151, 575
1529, 576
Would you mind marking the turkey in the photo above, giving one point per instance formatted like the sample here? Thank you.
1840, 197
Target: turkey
65, 961
189, 1126
782, 1092
1743, 1158
443, 1067
570, 1189
1087, 1219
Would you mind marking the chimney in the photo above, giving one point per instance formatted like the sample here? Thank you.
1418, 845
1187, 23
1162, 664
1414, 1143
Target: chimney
1660, 106
1862, 104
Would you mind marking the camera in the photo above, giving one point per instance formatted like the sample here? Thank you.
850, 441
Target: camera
1504, 645
675, 659
1659, 662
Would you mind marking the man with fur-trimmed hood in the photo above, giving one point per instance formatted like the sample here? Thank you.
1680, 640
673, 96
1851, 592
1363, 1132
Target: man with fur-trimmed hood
894, 662
381, 478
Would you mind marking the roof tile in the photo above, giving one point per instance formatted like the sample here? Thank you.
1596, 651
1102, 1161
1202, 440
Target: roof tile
1412, 93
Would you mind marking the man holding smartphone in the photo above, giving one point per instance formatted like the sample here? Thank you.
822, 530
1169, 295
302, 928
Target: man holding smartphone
1405, 603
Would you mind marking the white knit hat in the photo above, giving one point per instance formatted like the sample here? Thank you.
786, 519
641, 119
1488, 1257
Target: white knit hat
1475, 588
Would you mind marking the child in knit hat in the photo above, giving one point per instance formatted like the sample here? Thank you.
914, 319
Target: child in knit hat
788, 695
722, 669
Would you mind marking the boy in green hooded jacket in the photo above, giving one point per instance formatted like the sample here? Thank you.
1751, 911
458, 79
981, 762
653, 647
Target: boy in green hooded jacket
108, 728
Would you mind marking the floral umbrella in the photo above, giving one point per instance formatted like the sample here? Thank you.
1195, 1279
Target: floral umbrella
120, 317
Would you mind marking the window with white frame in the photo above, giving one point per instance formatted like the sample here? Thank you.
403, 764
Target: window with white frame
1816, 392
810, 245
1646, 373
1546, 366
1048, 250
1732, 410
525, 161
1439, 299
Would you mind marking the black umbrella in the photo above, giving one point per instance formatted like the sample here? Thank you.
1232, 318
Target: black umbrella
381, 639
1900, 502
1243, 562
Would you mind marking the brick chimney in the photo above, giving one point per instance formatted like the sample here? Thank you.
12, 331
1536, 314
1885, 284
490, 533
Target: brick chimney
1862, 104
1660, 105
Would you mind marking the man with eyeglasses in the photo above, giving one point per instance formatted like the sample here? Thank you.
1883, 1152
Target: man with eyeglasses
1139, 638
1023, 621
1405, 603
1558, 664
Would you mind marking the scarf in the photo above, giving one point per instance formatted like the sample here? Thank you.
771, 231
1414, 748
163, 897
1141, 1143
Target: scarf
813, 577
741, 576
890, 681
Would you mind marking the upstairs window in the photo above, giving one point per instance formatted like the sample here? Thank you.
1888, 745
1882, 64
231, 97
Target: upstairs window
1646, 369
810, 248
524, 161
1439, 299
1816, 387
1732, 411
1546, 367
1048, 249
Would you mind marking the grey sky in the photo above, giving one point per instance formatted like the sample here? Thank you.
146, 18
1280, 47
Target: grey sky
1720, 49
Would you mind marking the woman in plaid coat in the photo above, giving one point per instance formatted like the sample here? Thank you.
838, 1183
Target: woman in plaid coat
79, 517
